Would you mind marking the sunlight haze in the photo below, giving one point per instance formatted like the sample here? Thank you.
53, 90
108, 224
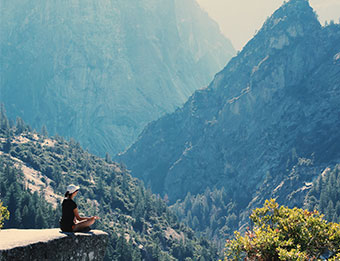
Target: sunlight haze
239, 20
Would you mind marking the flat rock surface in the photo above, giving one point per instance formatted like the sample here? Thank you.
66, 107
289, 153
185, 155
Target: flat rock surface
11, 238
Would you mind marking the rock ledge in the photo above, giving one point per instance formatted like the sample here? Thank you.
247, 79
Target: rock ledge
51, 244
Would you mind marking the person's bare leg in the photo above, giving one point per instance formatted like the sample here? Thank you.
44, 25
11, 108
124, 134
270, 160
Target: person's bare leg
81, 225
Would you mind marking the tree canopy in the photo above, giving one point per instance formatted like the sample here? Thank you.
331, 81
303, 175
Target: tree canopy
281, 233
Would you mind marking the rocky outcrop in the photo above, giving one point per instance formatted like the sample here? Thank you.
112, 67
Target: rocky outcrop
51, 244
100, 71
272, 106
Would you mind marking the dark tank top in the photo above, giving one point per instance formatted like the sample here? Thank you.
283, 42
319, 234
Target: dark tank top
67, 219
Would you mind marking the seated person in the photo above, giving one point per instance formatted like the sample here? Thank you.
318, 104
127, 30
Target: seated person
70, 213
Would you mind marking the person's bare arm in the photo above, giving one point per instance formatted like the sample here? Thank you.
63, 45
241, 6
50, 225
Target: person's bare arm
76, 215
79, 218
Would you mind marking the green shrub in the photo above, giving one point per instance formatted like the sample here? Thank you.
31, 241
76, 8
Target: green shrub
281, 233
4, 214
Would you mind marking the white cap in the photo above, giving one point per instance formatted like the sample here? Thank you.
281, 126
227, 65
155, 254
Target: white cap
72, 188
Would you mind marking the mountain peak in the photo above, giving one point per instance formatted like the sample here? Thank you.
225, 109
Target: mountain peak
293, 11
281, 70
293, 19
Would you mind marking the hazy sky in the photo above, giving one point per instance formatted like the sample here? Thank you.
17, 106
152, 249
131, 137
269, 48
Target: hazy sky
238, 19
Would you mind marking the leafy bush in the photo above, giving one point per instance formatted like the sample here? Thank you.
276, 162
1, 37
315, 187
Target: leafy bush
281, 233
4, 214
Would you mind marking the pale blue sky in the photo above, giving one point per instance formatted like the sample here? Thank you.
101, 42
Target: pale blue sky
238, 19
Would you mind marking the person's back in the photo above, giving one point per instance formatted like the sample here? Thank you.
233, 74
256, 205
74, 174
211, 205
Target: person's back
67, 219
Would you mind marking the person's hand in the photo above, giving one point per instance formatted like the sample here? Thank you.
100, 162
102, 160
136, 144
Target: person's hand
96, 217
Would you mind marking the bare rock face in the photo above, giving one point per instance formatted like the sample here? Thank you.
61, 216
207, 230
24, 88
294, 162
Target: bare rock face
274, 104
51, 244
100, 71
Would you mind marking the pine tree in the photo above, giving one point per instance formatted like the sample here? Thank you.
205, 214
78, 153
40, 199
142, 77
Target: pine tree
40, 221
20, 126
8, 144
107, 157
17, 218
323, 201
124, 249
4, 123
155, 250
25, 217
12, 203
329, 210
337, 209
195, 222
44, 131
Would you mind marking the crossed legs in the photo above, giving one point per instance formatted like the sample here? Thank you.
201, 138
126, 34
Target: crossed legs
83, 224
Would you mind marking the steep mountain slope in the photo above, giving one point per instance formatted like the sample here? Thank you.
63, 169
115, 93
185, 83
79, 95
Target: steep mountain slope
271, 113
325, 194
34, 167
100, 71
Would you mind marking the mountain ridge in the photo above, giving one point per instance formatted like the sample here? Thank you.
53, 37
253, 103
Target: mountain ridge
252, 107
98, 72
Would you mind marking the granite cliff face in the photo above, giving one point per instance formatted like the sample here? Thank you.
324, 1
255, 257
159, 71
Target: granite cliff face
271, 113
99, 71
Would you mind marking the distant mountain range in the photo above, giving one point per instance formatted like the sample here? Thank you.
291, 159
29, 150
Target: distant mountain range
100, 71
266, 126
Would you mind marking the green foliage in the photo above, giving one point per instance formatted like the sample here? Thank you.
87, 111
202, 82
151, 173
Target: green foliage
212, 214
29, 210
4, 123
44, 131
137, 221
324, 195
281, 233
4, 214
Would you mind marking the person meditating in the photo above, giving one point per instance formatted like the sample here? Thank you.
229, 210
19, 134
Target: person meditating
70, 220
